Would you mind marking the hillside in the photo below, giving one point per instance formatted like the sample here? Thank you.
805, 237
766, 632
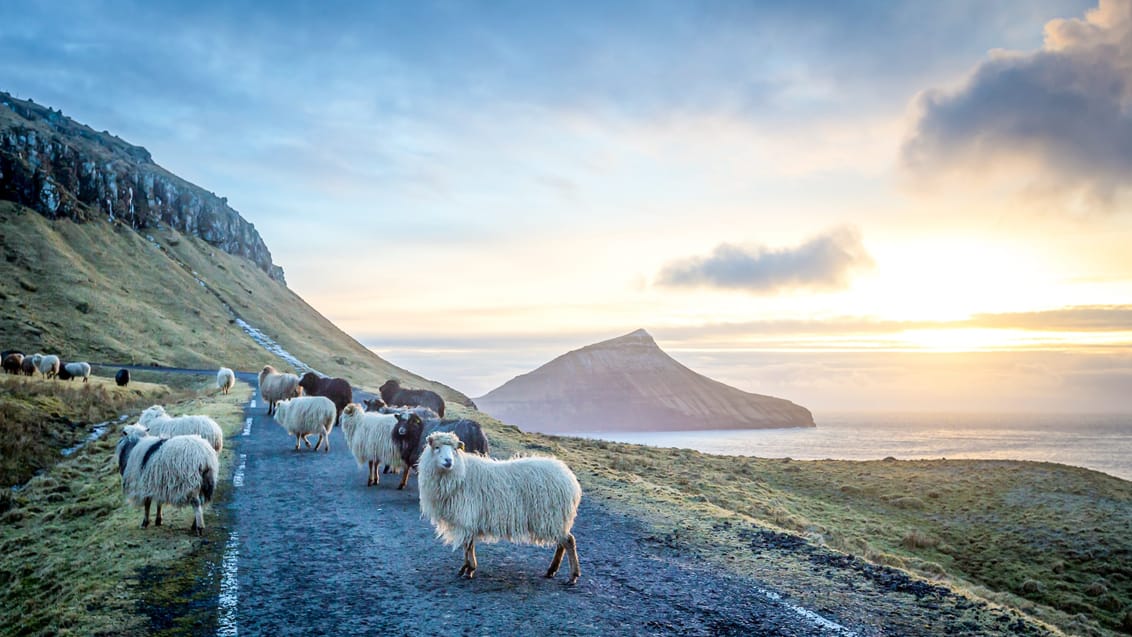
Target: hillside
630, 384
64, 169
100, 291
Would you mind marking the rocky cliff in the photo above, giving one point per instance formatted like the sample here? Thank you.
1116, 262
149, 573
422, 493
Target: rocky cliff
630, 384
60, 168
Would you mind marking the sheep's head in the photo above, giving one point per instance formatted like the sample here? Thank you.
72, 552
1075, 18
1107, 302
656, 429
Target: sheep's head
353, 409
373, 404
281, 409
151, 414
407, 420
444, 445
134, 431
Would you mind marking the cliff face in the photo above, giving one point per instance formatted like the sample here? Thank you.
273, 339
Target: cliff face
60, 168
630, 384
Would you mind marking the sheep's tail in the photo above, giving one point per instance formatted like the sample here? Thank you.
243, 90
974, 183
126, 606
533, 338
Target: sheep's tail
207, 483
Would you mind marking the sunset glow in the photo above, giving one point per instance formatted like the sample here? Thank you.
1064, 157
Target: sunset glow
918, 178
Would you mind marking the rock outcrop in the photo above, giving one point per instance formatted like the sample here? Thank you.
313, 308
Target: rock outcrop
630, 384
60, 168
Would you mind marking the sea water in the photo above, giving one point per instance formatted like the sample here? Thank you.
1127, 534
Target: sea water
1102, 442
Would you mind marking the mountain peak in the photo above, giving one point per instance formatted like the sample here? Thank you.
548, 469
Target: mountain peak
629, 383
636, 337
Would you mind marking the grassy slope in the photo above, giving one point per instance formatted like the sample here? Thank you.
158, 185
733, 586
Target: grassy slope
289, 320
101, 292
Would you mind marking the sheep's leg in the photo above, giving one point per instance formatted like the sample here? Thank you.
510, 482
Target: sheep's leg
157, 520
404, 477
299, 437
145, 520
369, 476
557, 561
307, 439
572, 555
198, 516
470, 564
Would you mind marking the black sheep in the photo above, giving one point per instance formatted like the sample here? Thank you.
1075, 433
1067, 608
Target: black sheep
122, 377
338, 390
411, 432
396, 396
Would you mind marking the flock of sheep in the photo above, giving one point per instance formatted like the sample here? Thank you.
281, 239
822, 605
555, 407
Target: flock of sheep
466, 495
49, 365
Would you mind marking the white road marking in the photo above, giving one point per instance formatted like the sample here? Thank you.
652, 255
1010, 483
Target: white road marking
238, 476
247, 426
229, 588
807, 614
252, 404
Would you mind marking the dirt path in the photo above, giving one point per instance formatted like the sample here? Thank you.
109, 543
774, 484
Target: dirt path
321, 553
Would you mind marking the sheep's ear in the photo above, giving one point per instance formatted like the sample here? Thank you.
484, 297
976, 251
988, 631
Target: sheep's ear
461, 447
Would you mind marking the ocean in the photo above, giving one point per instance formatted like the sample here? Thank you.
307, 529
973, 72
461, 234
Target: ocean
1102, 442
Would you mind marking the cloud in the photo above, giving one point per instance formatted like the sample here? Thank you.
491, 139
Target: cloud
1053, 122
823, 263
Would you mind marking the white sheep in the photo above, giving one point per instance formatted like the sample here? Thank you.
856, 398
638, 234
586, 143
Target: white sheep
49, 366
160, 423
225, 380
369, 436
181, 471
532, 500
275, 386
78, 370
307, 415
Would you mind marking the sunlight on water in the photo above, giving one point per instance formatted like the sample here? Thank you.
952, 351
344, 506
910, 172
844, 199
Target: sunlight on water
1100, 442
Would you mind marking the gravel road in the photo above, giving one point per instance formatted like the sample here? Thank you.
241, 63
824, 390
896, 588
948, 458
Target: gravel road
314, 551
317, 552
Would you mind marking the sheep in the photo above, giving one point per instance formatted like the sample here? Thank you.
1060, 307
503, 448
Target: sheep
394, 395
533, 500
425, 413
225, 380
12, 362
122, 378
28, 366
304, 416
412, 430
373, 404
338, 390
75, 370
275, 386
180, 471
370, 438
160, 423
49, 366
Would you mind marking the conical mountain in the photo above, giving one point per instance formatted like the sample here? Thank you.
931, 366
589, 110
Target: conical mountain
630, 384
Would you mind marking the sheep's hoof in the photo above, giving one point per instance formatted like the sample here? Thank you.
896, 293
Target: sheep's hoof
573, 580
145, 523
198, 530
467, 572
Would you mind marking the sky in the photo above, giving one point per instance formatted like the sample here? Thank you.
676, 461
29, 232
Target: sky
860, 205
